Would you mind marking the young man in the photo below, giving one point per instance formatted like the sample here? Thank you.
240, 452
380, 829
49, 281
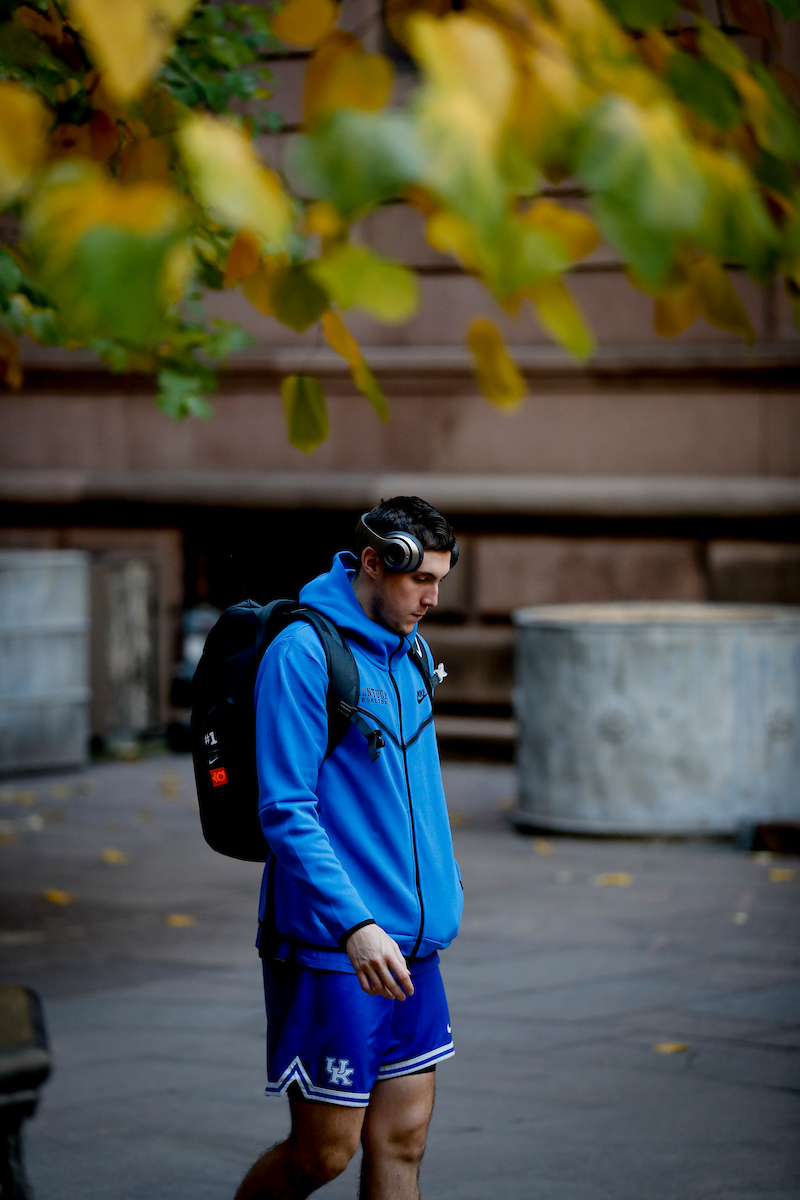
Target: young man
361, 888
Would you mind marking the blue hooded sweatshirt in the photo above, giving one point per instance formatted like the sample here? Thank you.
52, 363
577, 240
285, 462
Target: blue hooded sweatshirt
352, 841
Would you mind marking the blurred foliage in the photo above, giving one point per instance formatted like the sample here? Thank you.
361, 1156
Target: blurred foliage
132, 185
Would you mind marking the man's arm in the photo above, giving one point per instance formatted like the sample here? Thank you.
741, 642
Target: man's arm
291, 739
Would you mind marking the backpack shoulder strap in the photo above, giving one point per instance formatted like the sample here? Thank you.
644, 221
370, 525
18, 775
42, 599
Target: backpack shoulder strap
344, 684
420, 659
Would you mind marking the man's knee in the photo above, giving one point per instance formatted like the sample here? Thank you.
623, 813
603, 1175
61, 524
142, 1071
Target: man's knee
323, 1163
403, 1141
322, 1160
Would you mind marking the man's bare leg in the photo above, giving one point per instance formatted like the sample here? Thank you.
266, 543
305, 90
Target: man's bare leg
394, 1135
323, 1139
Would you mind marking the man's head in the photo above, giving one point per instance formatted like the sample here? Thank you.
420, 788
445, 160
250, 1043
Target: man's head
395, 599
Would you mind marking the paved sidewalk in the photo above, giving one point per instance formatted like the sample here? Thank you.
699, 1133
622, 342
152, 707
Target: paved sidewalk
577, 957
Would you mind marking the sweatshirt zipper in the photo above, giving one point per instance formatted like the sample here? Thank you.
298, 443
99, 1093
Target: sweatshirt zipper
413, 954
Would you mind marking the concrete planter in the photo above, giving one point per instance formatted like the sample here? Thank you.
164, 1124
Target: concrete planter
657, 718
44, 659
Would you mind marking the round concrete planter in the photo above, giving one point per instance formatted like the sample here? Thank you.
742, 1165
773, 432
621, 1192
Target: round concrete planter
657, 718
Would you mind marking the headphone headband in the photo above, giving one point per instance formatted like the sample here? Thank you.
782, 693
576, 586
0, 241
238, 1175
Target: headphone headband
398, 551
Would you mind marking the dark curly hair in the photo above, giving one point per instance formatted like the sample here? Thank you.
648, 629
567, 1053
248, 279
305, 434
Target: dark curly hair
411, 515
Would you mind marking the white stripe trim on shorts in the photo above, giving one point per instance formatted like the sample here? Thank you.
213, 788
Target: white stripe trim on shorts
296, 1073
409, 1065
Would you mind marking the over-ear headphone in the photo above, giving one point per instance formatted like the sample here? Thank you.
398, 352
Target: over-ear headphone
398, 551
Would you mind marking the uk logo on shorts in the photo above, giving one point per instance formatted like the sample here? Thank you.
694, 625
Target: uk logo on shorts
340, 1073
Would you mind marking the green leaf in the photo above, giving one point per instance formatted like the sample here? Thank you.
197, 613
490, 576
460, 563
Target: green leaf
643, 160
297, 299
775, 174
181, 396
650, 252
355, 277
643, 14
718, 48
736, 226
306, 414
781, 126
356, 159
519, 256
705, 89
10, 277
789, 9
226, 338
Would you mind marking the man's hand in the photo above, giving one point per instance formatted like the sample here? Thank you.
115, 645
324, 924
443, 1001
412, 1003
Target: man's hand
379, 963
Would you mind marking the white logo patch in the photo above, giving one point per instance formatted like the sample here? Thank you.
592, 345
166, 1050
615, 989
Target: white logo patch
341, 1073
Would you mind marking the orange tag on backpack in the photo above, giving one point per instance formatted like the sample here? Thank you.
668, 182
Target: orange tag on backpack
218, 776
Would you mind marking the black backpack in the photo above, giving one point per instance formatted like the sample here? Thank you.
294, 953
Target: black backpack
223, 716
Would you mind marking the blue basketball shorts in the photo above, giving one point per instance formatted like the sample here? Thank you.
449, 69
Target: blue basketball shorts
336, 1042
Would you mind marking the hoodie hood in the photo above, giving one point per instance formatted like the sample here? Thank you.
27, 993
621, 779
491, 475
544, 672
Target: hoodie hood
332, 594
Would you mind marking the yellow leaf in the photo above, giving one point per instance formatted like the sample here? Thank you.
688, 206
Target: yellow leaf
115, 857
243, 257
781, 875
396, 12
541, 846
62, 899
169, 785
259, 286
342, 75
144, 160
451, 234
577, 232
613, 879
323, 219
463, 53
181, 920
355, 277
674, 312
670, 1047
233, 182
79, 197
129, 39
10, 370
498, 375
559, 315
23, 138
717, 301
304, 22
342, 341
305, 411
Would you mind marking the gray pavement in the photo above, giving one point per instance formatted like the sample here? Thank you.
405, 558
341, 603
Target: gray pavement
576, 959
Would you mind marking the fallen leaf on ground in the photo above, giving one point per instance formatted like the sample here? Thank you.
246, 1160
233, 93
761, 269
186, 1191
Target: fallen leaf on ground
458, 818
781, 875
22, 799
613, 879
54, 896
145, 814
54, 814
169, 785
181, 920
8, 839
670, 1047
540, 846
117, 857
740, 918
761, 856
507, 804
60, 791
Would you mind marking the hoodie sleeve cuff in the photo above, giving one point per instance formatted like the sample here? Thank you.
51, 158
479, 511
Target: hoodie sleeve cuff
354, 929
